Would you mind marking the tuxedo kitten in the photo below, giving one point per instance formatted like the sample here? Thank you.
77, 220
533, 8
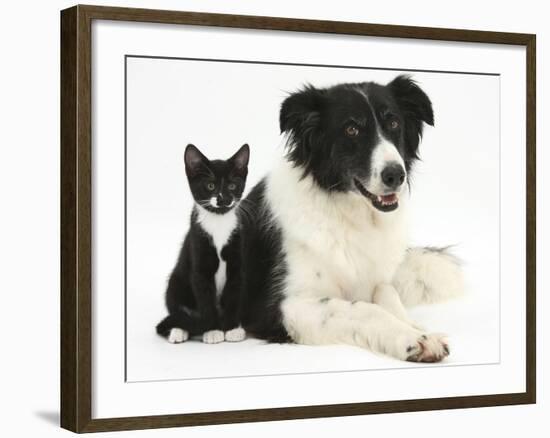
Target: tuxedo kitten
204, 291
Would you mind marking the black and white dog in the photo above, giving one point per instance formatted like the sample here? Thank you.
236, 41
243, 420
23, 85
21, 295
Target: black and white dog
325, 256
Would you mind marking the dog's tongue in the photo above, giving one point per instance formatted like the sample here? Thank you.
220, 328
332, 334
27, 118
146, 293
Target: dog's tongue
388, 198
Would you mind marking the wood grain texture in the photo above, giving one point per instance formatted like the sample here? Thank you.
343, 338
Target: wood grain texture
76, 219
69, 326
76, 252
299, 25
531, 219
303, 412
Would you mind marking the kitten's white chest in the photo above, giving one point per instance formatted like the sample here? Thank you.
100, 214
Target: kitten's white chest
219, 227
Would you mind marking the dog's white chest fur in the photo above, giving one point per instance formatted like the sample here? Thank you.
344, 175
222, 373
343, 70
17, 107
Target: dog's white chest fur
219, 227
336, 244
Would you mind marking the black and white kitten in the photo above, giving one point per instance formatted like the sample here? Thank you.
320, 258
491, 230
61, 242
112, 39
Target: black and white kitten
204, 291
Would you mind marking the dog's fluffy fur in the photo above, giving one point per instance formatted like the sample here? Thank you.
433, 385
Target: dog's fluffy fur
325, 256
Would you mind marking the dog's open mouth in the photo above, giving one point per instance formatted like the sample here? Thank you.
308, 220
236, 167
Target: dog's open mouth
383, 203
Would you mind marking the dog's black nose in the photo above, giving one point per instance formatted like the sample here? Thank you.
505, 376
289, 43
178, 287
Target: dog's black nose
393, 175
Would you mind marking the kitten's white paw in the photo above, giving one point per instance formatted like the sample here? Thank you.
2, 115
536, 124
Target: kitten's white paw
213, 337
178, 336
428, 348
235, 335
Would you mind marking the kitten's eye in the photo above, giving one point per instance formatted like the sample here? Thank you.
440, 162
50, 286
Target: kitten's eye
351, 130
210, 186
231, 186
394, 124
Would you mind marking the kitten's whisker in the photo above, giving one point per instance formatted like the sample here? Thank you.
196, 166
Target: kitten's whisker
204, 203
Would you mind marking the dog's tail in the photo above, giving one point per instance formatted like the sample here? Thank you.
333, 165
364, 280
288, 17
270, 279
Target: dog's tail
429, 275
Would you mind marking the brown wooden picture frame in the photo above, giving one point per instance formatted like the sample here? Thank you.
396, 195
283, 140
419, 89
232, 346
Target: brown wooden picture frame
76, 217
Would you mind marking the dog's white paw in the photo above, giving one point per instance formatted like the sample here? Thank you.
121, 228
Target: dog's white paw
428, 348
177, 336
235, 335
213, 337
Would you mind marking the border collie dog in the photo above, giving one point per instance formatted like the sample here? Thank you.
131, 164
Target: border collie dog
325, 255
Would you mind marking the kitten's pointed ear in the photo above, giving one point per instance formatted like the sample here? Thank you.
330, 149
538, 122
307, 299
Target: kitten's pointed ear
240, 159
194, 159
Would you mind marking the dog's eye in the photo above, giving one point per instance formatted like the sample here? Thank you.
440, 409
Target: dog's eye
351, 131
210, 186
394, 124
231, 186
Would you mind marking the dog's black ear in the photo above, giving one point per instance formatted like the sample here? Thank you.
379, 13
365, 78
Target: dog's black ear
300, 117
301, 109
416, 108
411, 99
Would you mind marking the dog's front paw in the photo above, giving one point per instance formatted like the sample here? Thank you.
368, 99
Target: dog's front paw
428, 348
235, 335
213, 337
177, 336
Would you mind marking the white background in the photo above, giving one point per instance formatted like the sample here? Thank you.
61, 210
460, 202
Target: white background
29, 139
114, 398
218, 106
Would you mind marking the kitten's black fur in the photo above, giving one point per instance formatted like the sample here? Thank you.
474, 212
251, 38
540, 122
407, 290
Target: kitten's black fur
194, 304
